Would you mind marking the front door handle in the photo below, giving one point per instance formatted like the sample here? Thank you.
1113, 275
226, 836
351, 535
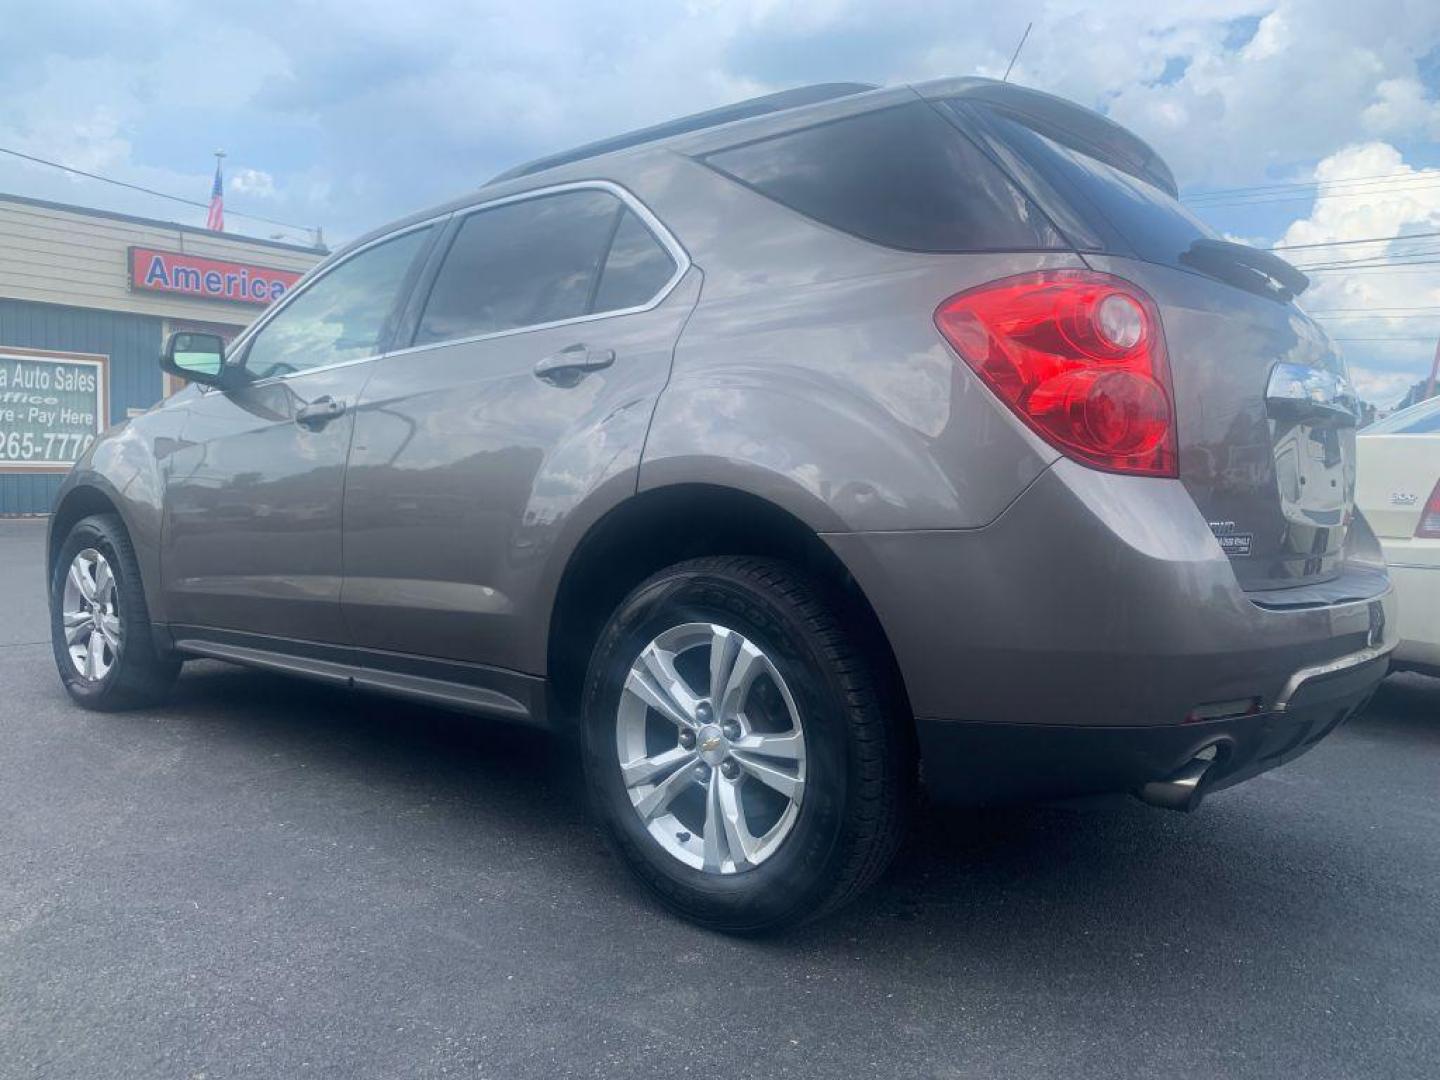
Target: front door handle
566, 367
319, 412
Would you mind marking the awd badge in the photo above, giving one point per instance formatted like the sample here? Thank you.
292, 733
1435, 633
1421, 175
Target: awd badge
1234, 544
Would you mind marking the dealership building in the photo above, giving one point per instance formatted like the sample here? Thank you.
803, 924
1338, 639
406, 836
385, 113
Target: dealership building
86, 299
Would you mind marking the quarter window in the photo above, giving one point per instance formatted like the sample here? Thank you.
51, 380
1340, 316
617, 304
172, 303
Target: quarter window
636, 268
543, 260
343, 316
901, 176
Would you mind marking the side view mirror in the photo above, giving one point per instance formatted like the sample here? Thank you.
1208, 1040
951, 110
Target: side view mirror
197, 357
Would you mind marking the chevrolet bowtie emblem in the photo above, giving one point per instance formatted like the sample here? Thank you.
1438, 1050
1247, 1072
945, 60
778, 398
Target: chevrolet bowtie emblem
712, 743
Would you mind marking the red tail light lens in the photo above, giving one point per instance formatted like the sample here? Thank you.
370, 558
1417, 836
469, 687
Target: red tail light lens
1429, 527
1080, 357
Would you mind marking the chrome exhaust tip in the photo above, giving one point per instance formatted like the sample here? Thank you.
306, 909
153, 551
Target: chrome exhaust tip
1185, 789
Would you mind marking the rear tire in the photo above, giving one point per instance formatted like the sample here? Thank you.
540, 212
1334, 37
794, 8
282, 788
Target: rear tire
841, 750
100, 624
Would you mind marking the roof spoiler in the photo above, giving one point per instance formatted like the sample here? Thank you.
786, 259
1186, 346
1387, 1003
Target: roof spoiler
1065, 122
1249, 268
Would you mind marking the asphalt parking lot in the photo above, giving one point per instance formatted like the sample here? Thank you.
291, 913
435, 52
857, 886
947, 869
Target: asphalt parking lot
270, 879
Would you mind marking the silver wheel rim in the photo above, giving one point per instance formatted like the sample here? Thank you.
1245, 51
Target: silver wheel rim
710, 748
90, 613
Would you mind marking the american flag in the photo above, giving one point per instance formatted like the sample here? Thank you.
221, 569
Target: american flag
216, 218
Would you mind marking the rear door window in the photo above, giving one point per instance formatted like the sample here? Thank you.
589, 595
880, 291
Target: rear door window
520, 264
903, 176
543, 260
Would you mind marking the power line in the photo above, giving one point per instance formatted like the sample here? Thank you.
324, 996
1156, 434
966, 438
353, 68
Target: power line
150, 191
1375, 180
1380, 268
1369, 193
1417, 337
1326, 258
1399, 258
1361, 240
1346, 310
1392, 267
1326, 188
1305, 183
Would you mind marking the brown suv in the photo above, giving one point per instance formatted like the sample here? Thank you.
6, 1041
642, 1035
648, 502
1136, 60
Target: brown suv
779, 449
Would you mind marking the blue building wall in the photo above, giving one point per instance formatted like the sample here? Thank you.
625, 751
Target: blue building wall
132, 342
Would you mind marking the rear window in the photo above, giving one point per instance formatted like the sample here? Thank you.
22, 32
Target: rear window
904, 177
1155, 226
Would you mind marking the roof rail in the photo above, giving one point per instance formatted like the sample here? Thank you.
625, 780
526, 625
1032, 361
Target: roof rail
741, 110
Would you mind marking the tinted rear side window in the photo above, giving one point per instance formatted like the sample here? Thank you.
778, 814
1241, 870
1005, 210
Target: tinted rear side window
1154, 225
543, 260
904, 177
520, 264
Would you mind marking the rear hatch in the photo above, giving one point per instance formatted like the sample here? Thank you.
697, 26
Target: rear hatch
1265, 415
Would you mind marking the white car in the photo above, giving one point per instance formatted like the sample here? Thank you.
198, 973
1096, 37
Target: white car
1398, 490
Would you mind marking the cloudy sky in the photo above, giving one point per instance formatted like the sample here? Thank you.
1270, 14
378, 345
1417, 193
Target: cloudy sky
1287, 122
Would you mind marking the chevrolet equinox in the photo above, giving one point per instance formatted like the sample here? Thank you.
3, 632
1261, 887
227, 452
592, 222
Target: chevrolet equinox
785, 454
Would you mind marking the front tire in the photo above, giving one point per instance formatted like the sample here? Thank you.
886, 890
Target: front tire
99, 622
770, 799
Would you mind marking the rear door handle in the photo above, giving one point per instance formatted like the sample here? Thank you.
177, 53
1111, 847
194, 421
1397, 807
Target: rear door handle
566, 367
319, 412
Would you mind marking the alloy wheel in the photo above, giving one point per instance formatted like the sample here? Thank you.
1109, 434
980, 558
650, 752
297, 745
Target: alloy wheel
711, 748
90, 614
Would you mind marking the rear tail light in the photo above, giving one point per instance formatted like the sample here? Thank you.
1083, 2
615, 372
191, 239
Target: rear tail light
1079, 356
1429, 527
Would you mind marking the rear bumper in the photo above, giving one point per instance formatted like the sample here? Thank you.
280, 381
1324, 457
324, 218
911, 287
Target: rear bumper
1064, 648
978, 763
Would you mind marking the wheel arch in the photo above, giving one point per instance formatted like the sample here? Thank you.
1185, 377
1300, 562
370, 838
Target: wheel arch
79, 502
665, 525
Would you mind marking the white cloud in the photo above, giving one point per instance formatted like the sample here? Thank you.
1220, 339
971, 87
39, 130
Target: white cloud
1297, 90
252, 182
1406, 201
365, 109
1401, 105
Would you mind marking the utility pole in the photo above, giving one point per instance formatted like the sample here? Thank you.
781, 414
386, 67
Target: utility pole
1434, 371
